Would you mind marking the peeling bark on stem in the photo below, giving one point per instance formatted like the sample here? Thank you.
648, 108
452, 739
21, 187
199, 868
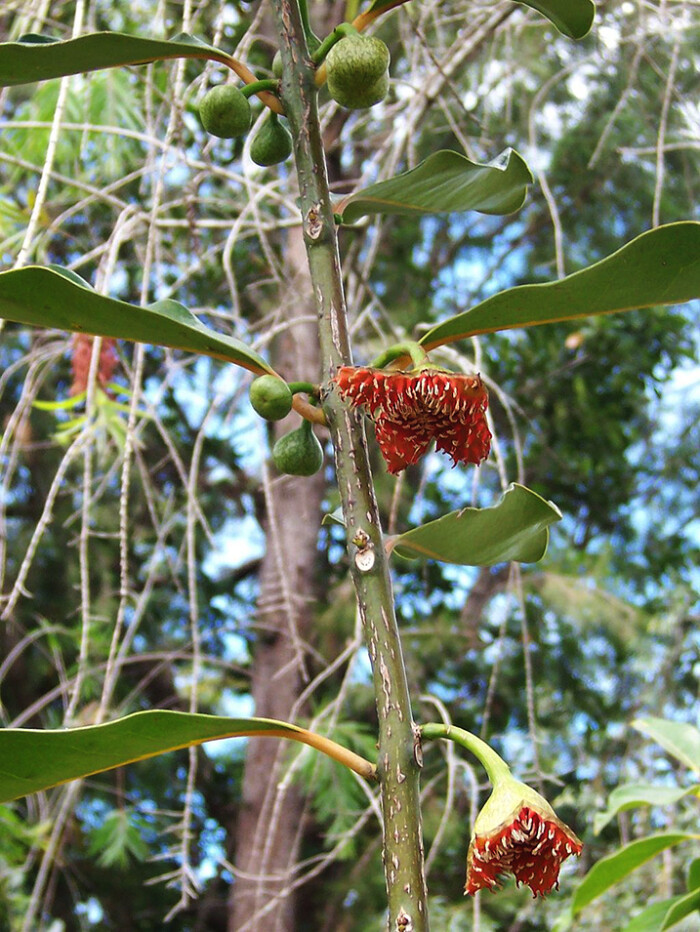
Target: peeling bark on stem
397, 765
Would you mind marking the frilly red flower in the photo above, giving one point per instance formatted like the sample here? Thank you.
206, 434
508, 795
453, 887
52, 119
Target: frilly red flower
531, 842
411, 409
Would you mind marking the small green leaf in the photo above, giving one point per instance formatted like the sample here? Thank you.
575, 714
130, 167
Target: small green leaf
634, 795
609, 871
678, 738
515, 528
573, 18
666, 914
33, 759
444, 183
662, 266
37, 58
334, 517
44, 297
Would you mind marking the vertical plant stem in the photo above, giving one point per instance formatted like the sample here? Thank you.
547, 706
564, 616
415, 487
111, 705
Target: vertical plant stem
397, 763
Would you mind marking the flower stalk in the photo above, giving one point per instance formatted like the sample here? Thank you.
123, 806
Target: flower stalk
517, 832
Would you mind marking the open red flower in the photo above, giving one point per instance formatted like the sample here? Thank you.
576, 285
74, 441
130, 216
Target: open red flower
411, 409
531, 842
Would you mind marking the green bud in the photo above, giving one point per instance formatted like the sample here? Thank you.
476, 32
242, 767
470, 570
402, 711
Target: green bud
357, 70
272, 143
225, 112
271, 397
277, 64
298, 453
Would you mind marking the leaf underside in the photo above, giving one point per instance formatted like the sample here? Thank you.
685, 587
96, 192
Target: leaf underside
38, 58
446, 182
515, 528
35, 759
42, 297
662, 266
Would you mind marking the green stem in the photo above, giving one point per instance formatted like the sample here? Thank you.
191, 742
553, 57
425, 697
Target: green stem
418, 355
493, 764
340, 32
311, 37
307, 387
255, 87
397, 764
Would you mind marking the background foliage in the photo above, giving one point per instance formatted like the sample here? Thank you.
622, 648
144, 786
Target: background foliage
112, 176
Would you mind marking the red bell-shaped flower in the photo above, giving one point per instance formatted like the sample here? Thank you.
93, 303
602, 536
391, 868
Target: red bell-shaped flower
517, 832
411, 409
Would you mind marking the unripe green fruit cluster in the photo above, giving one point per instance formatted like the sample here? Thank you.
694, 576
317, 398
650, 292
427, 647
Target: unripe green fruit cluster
271, 397
357, 69
225, 112
272, 144
298, 453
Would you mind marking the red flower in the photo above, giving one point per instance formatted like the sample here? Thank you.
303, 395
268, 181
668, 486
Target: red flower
531, 843
411, 409
80, 362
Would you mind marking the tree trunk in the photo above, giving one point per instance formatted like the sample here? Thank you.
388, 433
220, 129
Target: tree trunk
269, 826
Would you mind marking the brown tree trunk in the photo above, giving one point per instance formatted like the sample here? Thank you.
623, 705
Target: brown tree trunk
268, 831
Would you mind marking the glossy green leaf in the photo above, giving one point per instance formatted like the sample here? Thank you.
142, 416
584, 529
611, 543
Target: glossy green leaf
573, 18
444, 183
34, 759
37, 58
515, 528
661, 266
611, 870
666, 914
678, 738
44, 297
634, 795
694, 875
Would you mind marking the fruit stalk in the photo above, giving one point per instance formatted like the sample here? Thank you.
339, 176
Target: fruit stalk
398, 767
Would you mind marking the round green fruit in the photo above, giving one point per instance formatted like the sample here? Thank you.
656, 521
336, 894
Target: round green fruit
357, 70
225, 112
271, 397
298, 453
272, 143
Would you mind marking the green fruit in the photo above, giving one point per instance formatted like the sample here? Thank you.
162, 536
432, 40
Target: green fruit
298, 453
225, 112
271, 397
357, 71
272, 144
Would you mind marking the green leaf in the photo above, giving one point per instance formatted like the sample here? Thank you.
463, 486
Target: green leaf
633, 795
44, 297
573, 18
666, 914
694, 875
662, 266
678, 738
334, 517
609, 871
515, 528
33, 760
37, 58
119, 839
445, 182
